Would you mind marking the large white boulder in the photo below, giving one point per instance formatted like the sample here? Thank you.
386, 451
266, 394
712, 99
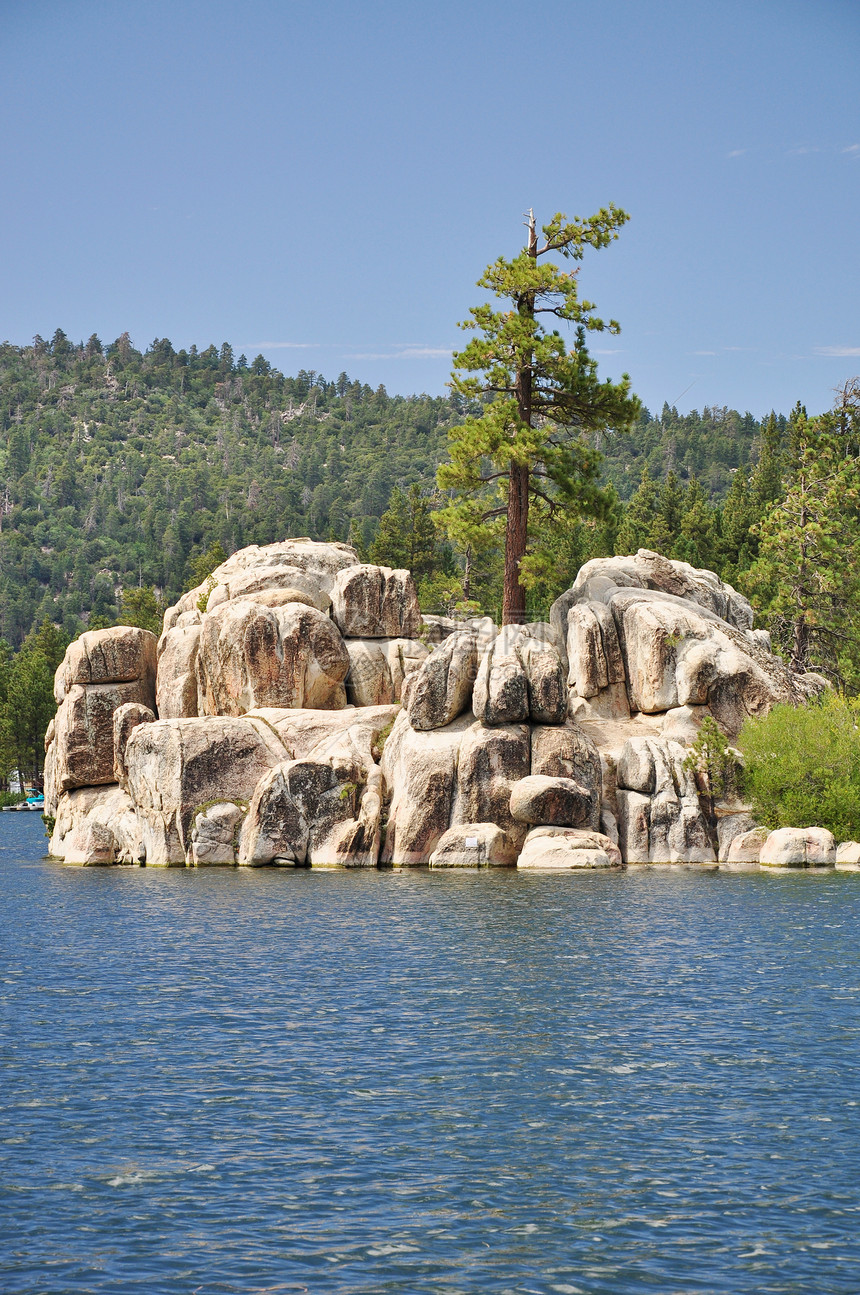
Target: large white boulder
442, 688
565, 849
683, 637
559, 802
848, 856
296, 570
375, 602
799, 847
474, 845
97, 825
119, 654
744, 850
177, 767
252, 656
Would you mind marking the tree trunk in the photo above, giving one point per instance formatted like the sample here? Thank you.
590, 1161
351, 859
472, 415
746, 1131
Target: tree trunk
467, 575
517, 528
800, 646
516, 537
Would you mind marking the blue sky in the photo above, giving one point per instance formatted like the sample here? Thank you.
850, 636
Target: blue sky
325, 183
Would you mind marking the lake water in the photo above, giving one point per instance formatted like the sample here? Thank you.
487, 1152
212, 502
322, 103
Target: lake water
225, 1081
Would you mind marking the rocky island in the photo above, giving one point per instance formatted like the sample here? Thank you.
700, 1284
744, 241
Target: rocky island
298, 710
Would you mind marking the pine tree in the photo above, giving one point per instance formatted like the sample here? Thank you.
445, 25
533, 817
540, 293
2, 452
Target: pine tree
766, 484
639, 516
806, 579
738, 543
530, 453
697, 542
406, 535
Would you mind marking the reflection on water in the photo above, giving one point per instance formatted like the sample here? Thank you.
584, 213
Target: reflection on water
224, 1081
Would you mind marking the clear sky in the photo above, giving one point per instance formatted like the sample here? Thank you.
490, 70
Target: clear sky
325, 182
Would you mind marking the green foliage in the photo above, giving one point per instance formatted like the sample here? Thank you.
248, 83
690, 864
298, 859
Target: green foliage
803, 766
123, 469
143, 608
407, 536
204, 564
27, 700
528, 453
806, 579
714, 761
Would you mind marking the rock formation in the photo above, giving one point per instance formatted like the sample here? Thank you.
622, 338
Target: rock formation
298, 711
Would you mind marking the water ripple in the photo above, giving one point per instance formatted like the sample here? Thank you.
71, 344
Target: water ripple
402, 1082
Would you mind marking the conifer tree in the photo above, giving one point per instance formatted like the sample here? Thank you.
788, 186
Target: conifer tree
528, 455
738, 544
639, 516
806, 579
406, 535
697, 542
766, 485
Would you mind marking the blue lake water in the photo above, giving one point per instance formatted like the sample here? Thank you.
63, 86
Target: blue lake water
225, 1081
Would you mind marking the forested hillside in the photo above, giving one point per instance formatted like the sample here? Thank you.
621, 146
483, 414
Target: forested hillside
121, 467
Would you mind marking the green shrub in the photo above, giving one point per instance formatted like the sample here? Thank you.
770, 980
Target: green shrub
803, 766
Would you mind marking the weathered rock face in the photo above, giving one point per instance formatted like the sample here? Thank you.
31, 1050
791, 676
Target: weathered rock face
97, 825
83, 732
323, 807
474, 845
279, 741
125, 720
521, 677
176, 688
677, 637
102, 671
561, 849
491, 761
252, 656
375, 602
419, 770
379, 667
565, 751
176, 767
799, 847
121, 654
299, 812
442, 687
659, 816
277, 571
